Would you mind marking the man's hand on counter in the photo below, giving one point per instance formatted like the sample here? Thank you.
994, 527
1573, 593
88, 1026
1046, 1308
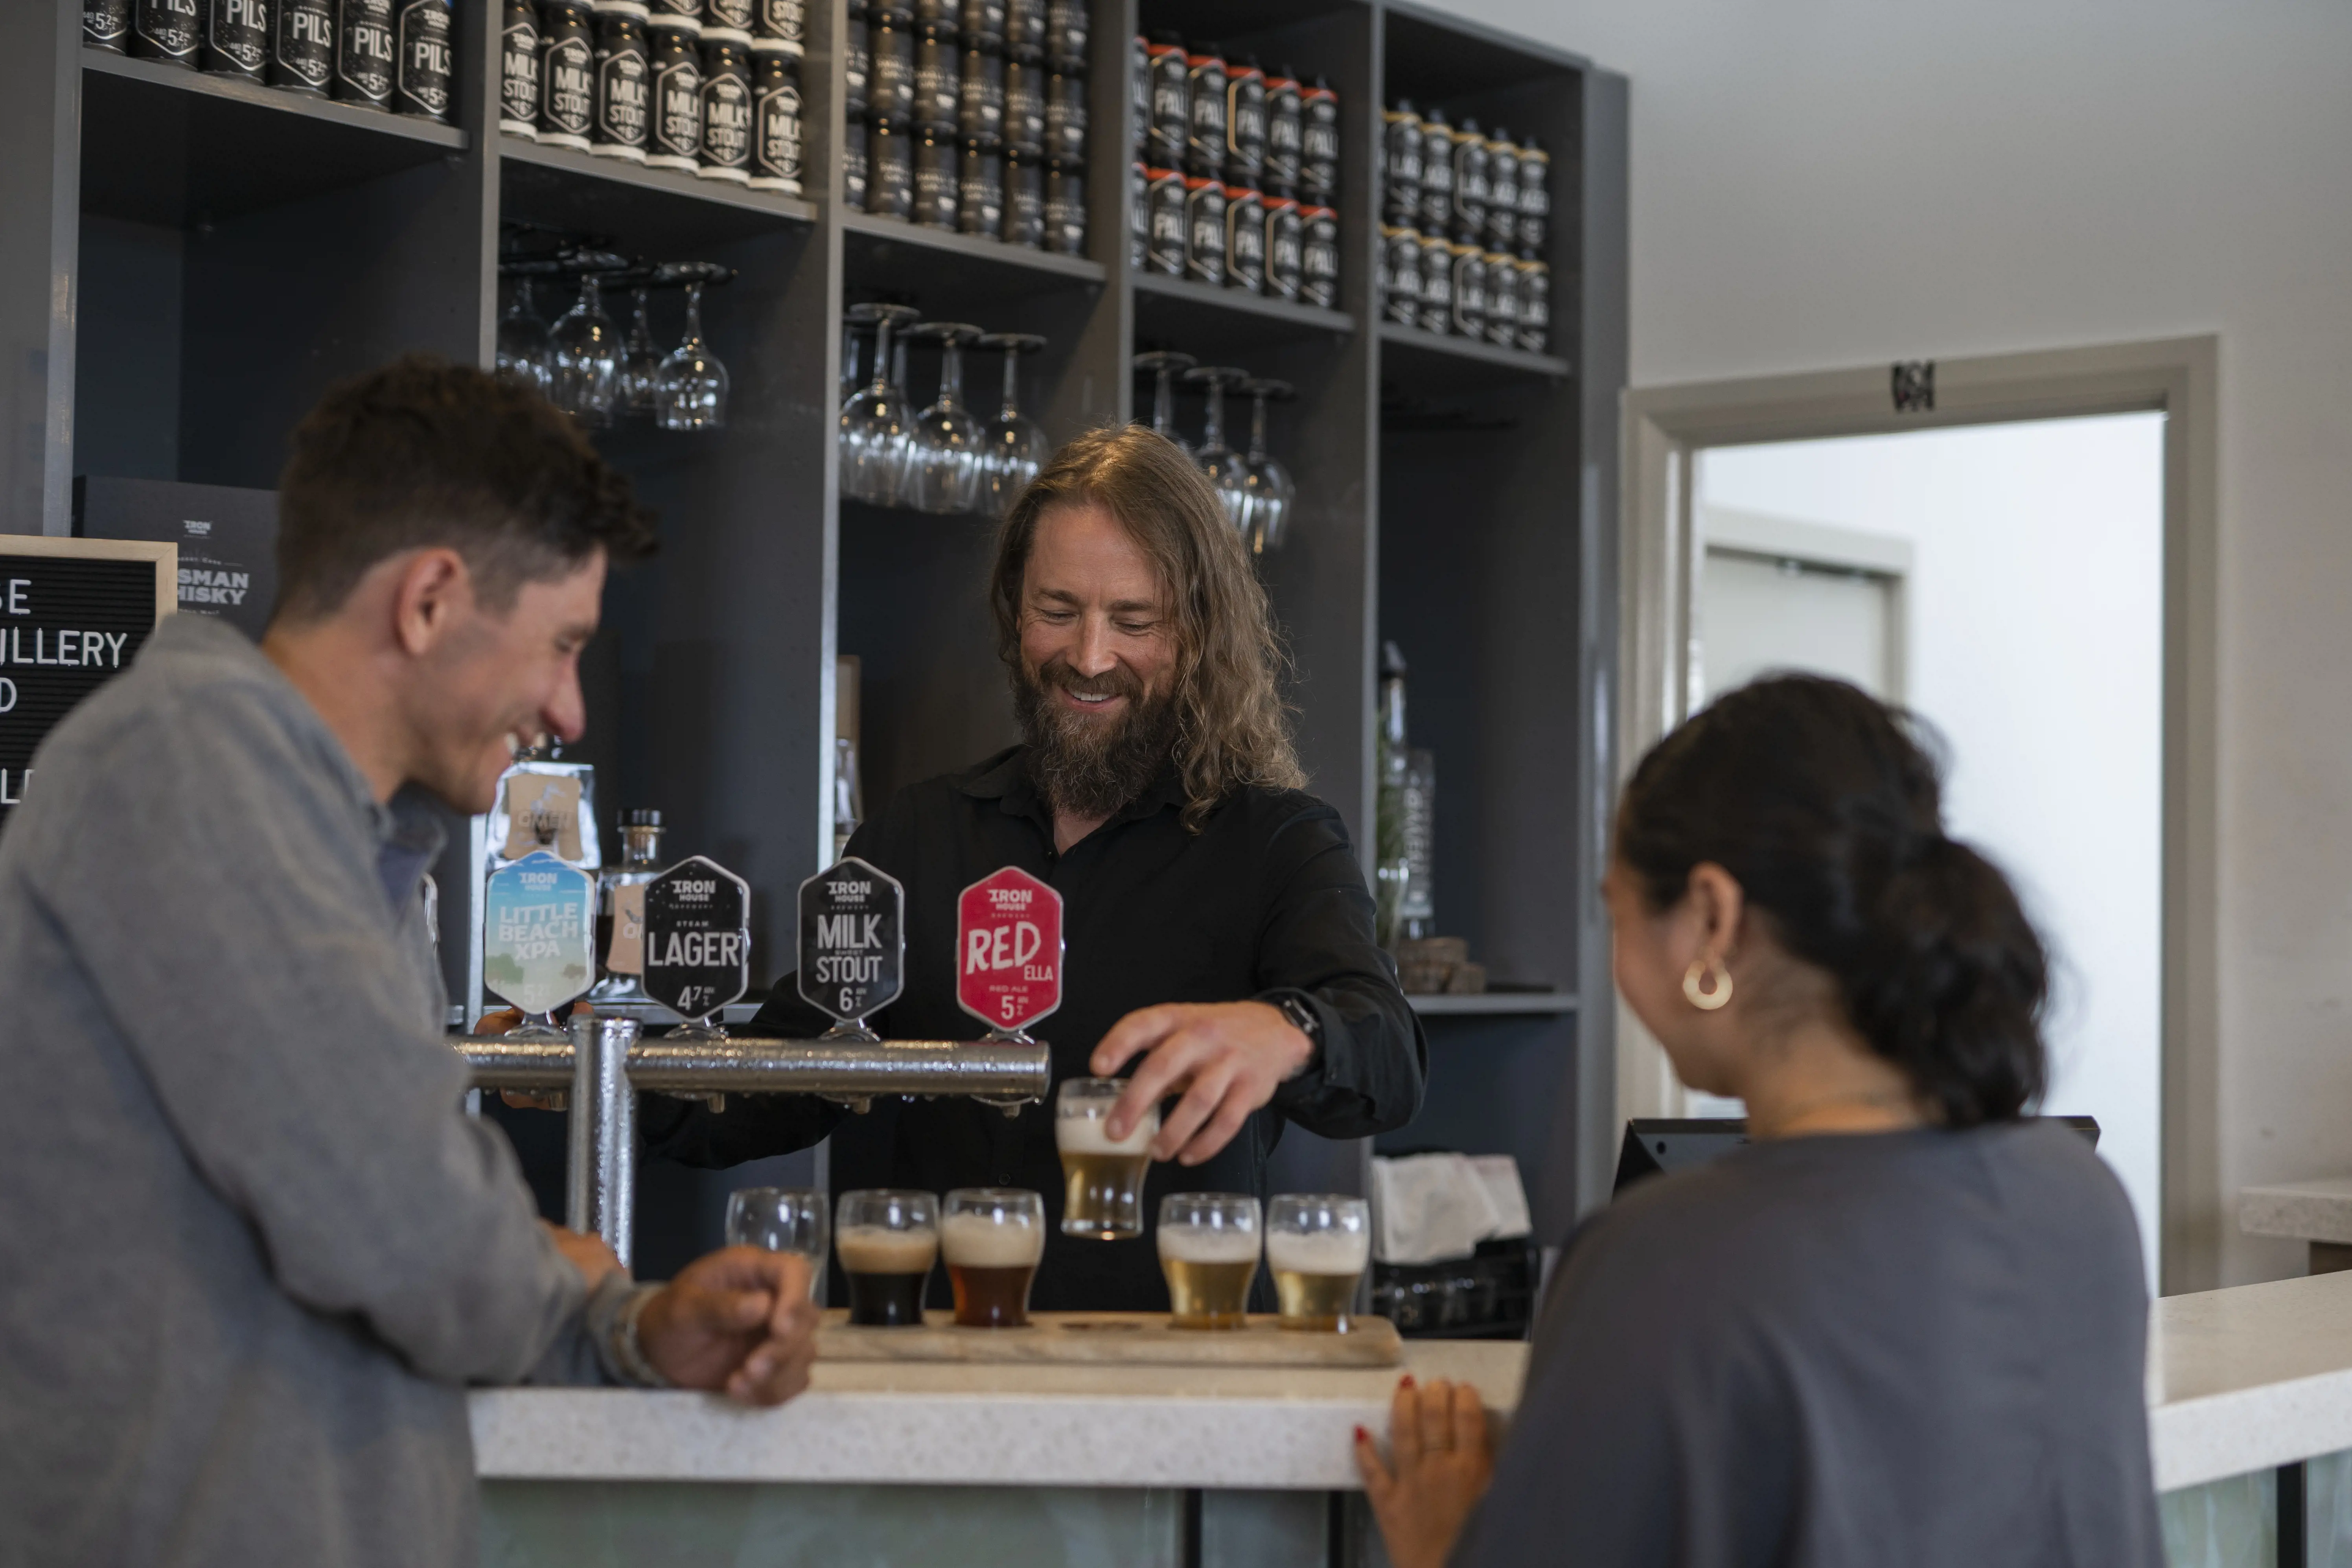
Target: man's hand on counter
588, 1254
738, 1320
1226, 1057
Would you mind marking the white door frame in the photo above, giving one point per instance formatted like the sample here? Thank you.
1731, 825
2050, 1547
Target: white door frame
1665, 427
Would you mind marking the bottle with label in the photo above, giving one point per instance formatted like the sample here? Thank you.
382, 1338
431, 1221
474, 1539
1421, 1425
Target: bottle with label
546, 803
1066, 209
782, 22
1535, 198
1244, 123
621, 911
1285, 246
423, 32
891, 86
1318, 141
366, 59
853, 164
983, 22
1024, 107
1025, 28
890, 177
1065, 115
1025, 200
236, 38
938, 179
1319, 257
980, 113
1169, 125
726, 106
1470, 185
1391, 867
1502, 191
567, 75
1204, 230
1284, 130
857, 62
1067, 27
623, 81
1245, 239
1400, 156
517, 68
980, 200
168, 31
1436, 174
775, 118
1204, 91
674, 135
106, 26
938, 80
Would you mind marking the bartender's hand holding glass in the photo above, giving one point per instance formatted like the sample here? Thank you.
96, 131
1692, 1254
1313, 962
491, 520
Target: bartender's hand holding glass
1225, 1058
1441, 1459
739, 1321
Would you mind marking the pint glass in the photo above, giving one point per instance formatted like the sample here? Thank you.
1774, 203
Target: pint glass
1316, 1244
888, 1240
1208, 1250
1104, 1200
992, 1238
780, 1219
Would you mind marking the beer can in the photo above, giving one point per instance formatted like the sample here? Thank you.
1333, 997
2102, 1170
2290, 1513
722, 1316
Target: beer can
1204, 230
170, 30
623, 81
236, 38
728, 16
1286, 245
937, 178
1401, 144
938, 14
890, 183
1284, 128
366, 59
517, 65
1139, 215
775, 117
1436, 284
1066, 210
106, 26
726, 106
1026, 29
1400, 285
1024, 107
1025, 201
1245, 239
1502, 300
674, 135
423, 33
1204, 91
1469, 265
1065, 115
1468, 219
685, 15
1065, 33
854, 163
1535, 305
1319, 257
1171, 118
938, 80
1502, 191
1164, 221
980, 115
890, 89
1319, 140
1436, 174
567, 73
782, 22
983, 22
980, 194
857, 62
1534, 196
1139, 99
1245, 121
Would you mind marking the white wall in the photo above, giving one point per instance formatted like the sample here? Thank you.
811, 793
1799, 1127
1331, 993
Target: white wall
1823, 184
2034, 617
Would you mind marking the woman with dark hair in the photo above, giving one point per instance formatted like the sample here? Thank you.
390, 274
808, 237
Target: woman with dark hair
1903, 1325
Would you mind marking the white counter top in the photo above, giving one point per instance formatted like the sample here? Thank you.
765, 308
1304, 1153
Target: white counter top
2238, 1380
2306, 1211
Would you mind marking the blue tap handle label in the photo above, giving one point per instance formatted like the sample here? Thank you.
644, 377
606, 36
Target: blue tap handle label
538, 932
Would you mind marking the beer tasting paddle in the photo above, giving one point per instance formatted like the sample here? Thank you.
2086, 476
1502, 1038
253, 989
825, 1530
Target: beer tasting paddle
1096, 1339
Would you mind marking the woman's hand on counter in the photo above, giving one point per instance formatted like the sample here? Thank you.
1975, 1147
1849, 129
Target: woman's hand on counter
588, 1254
1441, 1457
737, 1322
1226, 1058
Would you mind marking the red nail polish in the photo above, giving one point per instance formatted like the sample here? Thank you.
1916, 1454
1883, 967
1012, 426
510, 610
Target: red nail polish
1406, 1380
1362, 1436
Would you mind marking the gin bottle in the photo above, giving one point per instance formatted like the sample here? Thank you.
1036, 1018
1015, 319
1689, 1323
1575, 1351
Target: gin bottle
621, 911
1392, 859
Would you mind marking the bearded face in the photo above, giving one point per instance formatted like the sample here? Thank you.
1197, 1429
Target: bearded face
1089, 764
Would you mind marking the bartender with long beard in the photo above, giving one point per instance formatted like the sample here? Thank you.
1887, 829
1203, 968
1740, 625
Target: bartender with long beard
1220, 946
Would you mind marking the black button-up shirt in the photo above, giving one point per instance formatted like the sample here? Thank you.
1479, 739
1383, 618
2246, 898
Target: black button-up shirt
1265, 901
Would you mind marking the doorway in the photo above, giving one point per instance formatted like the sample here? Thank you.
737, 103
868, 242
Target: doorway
2019, 549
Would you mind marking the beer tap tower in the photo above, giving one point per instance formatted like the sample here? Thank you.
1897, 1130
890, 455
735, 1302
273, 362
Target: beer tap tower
853, 962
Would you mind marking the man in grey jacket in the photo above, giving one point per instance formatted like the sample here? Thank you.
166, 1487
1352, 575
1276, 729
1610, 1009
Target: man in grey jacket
252, 1251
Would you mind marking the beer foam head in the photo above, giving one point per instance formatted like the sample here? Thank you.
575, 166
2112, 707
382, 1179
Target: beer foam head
1086, 1135
1198, 1243
982, 1241
1319, 1252
878, 1249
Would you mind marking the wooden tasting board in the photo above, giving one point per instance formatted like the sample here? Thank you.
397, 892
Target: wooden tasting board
1134, 1339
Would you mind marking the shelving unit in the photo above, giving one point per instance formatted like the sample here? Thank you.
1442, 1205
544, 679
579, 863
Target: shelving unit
234, 250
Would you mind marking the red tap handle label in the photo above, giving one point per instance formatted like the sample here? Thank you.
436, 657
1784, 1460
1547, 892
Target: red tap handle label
1009, 949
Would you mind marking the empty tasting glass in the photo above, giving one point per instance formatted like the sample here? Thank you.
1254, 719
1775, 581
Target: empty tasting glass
1015, 448
1226, 470
524, 355
1208, 1250
1317, 1245
585, 351
874, 423
690, 392
780, 1219
992, 1239
1273, 497
943, 449
641, 364
1104, 1196
1163, 365
888, 1240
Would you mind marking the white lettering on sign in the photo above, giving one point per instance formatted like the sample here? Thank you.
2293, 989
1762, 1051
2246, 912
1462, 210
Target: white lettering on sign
849, 889
69, 648
1006, 947
7, 694
845, 969
12, 791
203, 586
696, 950
849, 930
18, 604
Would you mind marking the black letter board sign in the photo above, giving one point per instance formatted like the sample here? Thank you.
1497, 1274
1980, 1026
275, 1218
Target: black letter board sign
72, 612
698, 937
852, 940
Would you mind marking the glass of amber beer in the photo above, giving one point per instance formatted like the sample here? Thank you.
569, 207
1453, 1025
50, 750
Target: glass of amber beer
886, 1240
1316, 1244
992, 1238
1104, 1200
781, 1219
1208, 1250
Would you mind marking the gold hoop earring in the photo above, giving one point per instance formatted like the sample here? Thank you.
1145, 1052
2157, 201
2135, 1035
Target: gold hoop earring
1707, 968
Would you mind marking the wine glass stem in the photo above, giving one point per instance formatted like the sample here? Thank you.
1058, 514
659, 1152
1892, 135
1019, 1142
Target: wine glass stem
1012, 385
693, 313
1258, 431
881, 356
1212, 427
1163, 404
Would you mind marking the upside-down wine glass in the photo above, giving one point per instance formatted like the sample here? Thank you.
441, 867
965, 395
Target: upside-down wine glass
587, 356
874, 423
641, 363
1015, 448
691, 393
1273, 498
943, 451
1224, 466
1163, 363
522, 339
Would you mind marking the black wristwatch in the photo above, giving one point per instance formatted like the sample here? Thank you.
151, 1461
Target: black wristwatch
1309, 1022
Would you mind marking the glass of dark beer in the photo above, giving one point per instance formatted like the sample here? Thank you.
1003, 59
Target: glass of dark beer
1317, 1244
781, 1219
1104, 1200
886, 1240
1208, 1250
992, 1238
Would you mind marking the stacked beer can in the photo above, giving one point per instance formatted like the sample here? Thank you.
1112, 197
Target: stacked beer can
1235, 171
392, 55
708, 87
1464, 219
969, 116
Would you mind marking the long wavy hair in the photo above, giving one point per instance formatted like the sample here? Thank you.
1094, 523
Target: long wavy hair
1233, 730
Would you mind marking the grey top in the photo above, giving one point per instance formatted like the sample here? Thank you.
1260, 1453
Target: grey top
1923, 1348
252, 1250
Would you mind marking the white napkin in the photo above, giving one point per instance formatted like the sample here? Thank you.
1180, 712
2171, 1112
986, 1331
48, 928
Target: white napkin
1431, 1206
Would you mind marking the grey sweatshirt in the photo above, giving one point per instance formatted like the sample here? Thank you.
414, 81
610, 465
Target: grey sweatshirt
251, 1248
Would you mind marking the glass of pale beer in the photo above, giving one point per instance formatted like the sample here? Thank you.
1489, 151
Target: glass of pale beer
886, 1240
781, 1219
992, 1238
1208, 1250
1317, 1244
1104, 1199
